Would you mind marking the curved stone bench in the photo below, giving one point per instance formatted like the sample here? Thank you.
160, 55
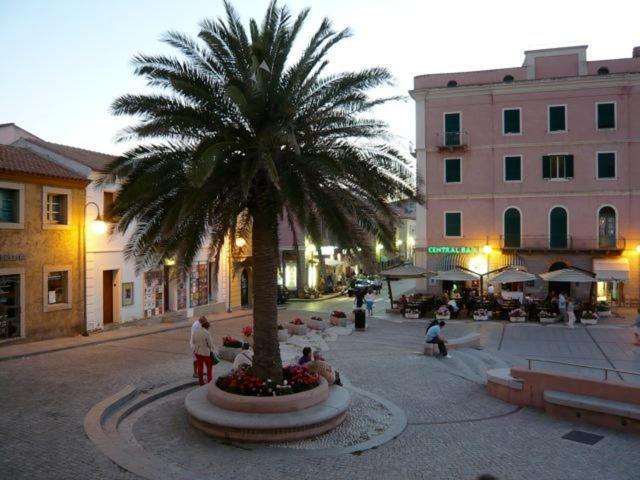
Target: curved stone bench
470, 340
502, 376
267, 427
594, 404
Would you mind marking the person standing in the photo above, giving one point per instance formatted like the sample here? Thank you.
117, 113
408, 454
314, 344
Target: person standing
433, 336
202, 349
491, 290
562, 306
369, 299
571, 312
194, 328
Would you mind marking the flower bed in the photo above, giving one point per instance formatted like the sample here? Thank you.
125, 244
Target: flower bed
546, 316
297, 379
316, 323
297, 327
603, 309
517, 315
481, 314
230, 348
443, 313
338, 318
589, 318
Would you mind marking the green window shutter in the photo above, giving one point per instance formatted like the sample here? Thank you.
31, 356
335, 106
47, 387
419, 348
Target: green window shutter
607, 165
453, 224
511, 121
453, 171
512, 228
8, 206
606, 115
512, 169
568, 165
546, 166
557, 119
558, 228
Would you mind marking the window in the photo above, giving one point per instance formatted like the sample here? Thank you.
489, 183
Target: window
511, 121
513, 168
57, 288
511, 228
556, 167
606, 116
558, 232
607, 227
11, 304
452, 123
56, 207
453, 170
557, 118
606, 165
11, 205
603, 71
452, 83
108, 198
508, 79
453, 224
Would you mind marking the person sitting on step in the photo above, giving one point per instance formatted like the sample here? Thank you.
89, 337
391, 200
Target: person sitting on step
433, 336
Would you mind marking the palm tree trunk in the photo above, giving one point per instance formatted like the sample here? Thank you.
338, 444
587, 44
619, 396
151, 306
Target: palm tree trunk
267, 363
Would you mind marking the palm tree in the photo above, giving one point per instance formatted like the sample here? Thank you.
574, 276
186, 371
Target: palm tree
236, 133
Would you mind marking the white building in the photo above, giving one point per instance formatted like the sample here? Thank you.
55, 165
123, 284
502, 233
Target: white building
115, 293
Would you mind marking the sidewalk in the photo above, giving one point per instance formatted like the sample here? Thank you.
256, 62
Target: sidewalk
28, 349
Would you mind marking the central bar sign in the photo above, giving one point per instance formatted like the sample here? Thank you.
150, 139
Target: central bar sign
461, 250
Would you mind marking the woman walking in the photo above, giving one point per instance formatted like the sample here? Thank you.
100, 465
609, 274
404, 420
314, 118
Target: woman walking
202, 349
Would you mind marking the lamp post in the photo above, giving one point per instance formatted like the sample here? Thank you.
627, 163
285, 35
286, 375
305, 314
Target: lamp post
99, 227
240, 242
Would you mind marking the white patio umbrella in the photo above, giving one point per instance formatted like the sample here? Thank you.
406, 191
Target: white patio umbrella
567, 275
402, 271
456, 275
512, 275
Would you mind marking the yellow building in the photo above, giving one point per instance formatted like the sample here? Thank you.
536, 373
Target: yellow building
41, 246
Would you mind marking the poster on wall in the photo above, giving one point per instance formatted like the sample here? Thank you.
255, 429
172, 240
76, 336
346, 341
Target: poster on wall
182, 291
127, 294
153, 293
199, 284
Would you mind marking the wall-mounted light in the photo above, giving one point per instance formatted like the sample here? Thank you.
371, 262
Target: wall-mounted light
486, 249
98, 226
240, 242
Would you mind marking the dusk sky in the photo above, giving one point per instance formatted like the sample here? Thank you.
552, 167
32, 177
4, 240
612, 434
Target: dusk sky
63, 62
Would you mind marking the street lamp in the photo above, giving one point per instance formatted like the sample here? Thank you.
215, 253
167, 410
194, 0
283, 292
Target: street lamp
98, 227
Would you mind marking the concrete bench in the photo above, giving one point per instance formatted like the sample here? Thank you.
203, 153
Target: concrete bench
502, 376
594, 404
470, 340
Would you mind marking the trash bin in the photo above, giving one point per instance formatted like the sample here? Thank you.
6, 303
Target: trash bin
360, 318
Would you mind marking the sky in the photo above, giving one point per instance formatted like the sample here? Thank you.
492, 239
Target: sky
63, 62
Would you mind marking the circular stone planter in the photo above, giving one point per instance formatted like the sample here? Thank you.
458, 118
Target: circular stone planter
481, 318
316, 324
338, 321
228, 353
443, 317
281, 404
296, 329
283, 335
267, 419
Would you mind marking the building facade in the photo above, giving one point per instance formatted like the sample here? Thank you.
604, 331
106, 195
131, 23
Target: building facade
535, 166
41, 248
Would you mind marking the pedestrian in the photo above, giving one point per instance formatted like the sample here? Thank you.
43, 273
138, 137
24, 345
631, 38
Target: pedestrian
377, 283
571, 313
433, 336
369, 298
491, 290
194, 328
562, 306
323, 368
452, 305
402, 303
202, 349
244, 358
636, 329
306, 356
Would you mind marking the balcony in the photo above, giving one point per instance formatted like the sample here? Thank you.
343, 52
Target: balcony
544, 243
451, 141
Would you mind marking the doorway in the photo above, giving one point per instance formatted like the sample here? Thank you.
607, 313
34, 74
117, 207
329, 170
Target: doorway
109, 296
244, 288
10, 312
559, 287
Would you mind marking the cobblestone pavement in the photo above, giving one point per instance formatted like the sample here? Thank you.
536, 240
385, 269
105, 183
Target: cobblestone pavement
455, 431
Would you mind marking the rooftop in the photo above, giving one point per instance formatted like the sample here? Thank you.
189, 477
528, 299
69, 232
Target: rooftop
21, 160
94, 160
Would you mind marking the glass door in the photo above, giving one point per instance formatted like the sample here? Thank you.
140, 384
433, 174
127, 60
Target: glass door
452, 129
10, 306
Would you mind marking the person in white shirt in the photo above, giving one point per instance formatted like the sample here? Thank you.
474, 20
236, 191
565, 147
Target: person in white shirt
562, 306
491, 290
244, 358
369, 298
197, 325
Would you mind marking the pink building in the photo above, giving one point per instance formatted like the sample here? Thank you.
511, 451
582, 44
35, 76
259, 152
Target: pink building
540, 162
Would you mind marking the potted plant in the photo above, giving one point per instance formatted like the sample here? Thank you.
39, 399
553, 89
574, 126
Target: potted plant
411, 312
481, 314
517, 315
589, 318
603, 309
443, 313
547, 316
283, 333
247, 332
338, 318
230, 348
316, 323
297, 327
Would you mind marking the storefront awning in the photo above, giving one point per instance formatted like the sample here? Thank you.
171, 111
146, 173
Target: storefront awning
567, 275
456, 275
451, 261
404, 271
509, 260
611, 269
511, 275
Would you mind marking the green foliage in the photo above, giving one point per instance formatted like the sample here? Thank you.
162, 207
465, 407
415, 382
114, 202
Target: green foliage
236, 125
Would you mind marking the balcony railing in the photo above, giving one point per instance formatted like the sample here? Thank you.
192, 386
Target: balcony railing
546, 243
451, 140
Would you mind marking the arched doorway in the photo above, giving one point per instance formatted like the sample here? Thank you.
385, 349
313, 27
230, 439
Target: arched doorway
244, 288
558, 231
559, 287
512, 222
607, 228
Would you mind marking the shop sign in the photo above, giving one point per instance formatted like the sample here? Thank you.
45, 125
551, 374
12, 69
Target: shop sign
12, 257
439, 250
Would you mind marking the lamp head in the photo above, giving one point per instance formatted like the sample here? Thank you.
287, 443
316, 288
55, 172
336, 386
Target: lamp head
486, 249
240, 242
98, 226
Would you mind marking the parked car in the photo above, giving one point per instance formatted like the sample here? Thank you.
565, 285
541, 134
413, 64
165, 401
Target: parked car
359, 285
283, 294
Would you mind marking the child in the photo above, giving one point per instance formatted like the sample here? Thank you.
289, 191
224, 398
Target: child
369, 298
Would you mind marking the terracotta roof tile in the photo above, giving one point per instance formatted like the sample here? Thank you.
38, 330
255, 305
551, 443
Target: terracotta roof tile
21, 160
94, 160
